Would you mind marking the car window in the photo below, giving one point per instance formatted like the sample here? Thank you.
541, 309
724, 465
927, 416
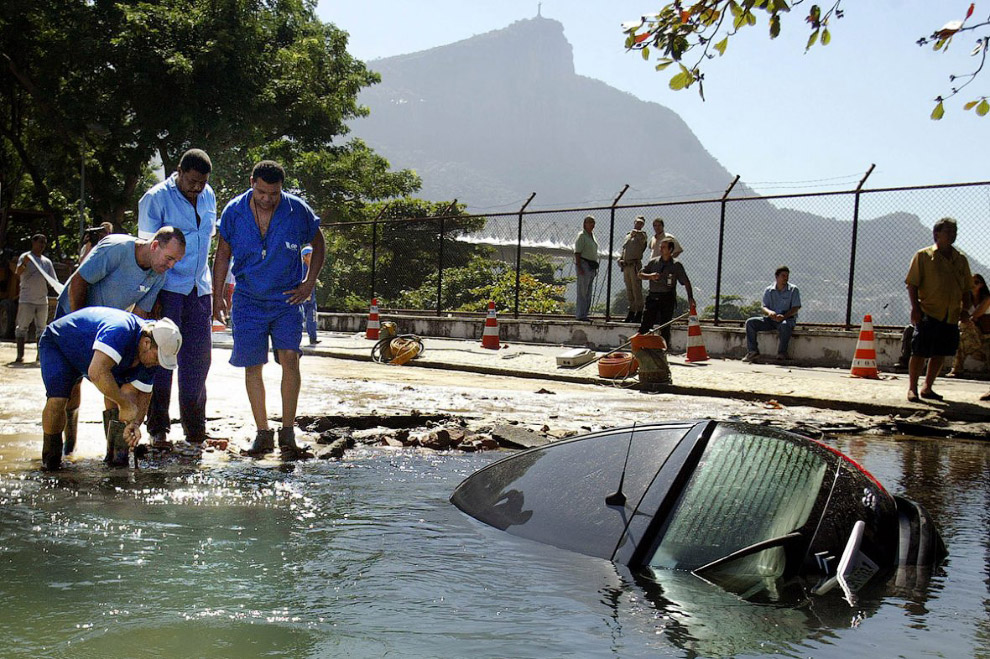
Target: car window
746, 489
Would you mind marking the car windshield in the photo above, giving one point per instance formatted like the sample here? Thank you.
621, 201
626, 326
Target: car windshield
747, 489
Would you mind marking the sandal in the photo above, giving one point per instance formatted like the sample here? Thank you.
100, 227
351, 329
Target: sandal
931, 395
913, 397
985, 396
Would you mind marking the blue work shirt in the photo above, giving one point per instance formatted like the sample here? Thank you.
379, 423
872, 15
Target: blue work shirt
115, 278
163, 205
782, 301
111, 331
265, 267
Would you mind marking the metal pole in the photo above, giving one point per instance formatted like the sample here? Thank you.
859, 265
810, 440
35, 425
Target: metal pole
374, 247
515, 308
721, 247
852, 251
611, 244
450, 209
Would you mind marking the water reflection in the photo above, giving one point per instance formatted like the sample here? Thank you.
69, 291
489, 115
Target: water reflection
366, 558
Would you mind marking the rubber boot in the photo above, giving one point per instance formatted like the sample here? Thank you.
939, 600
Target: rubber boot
289, 449
20, 350
629, 317
117, 448
51, 452
264, 443
110, 417
71, 430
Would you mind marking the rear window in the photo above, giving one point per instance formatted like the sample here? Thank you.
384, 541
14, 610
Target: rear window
747, 488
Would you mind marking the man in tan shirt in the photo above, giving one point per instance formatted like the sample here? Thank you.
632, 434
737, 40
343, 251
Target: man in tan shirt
630, 263
938, 284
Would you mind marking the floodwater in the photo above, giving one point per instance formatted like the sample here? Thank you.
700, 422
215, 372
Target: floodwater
366, 557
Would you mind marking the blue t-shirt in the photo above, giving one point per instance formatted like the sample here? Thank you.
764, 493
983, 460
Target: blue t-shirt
266, 267
115, 278
782, 301
164, 205
111, 331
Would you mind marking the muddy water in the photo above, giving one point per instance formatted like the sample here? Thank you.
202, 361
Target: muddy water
366, 557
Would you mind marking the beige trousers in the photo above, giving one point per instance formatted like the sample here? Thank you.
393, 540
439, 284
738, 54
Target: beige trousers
634, 286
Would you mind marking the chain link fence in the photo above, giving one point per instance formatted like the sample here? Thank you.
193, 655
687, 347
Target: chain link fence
848, 252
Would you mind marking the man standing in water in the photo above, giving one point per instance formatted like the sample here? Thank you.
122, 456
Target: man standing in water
32, 305
185, 201
938, 284
265, 229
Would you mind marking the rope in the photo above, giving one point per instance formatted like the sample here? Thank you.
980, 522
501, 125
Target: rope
382, 353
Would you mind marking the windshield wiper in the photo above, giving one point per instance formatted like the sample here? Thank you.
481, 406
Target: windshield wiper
751, 549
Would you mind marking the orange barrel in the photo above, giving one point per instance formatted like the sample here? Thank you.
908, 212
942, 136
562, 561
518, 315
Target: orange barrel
648, 342
617, 365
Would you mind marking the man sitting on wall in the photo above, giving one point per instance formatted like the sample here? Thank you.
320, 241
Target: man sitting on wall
781, 302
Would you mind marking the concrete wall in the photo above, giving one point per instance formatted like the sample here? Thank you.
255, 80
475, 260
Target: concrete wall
809, 346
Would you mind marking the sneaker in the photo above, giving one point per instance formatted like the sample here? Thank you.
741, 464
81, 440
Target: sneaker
264, 443
313, 342
751, 356
288, 448
159, 442
187, 449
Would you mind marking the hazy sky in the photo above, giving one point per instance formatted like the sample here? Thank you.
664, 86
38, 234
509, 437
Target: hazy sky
784, 120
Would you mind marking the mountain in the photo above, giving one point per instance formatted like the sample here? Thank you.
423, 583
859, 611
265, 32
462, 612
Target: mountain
491, 119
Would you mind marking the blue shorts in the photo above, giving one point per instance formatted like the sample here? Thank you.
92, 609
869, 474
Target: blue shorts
255, 321
57, 373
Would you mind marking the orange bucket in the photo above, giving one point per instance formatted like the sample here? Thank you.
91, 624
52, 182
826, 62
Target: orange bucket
648, 342
617, 365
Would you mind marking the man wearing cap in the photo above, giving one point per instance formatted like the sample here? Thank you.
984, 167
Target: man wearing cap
121, 272
32, 305
185, 201
663, 273
631, 262
586, 266
118, 351
309, 306
265, 229
660, 234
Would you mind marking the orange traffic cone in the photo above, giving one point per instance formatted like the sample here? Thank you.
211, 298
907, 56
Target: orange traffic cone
373, 325
489, 338
865, 360
695, 344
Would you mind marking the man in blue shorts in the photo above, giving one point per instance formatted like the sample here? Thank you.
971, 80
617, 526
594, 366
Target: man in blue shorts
185, 201
265, 229
118, 351
119, 272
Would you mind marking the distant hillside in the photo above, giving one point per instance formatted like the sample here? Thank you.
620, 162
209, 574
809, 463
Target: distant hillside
491, 119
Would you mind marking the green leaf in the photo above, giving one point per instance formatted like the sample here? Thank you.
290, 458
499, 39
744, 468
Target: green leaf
775, 27
751, 18
646, 52
938, 44
664, 63
938, 112
970, 105
826, 38
720, 46
680, 81
983, 108
812, 39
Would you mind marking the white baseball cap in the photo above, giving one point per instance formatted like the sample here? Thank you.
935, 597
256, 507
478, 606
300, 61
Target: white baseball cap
169, 340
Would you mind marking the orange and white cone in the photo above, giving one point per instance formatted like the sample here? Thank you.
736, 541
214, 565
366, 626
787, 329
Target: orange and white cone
373, 325
489, 338
695, 344
865, 360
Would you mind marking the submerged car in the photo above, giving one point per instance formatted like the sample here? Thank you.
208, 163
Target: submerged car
749, 508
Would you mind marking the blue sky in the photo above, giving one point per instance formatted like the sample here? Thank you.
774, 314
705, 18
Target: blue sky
784, 120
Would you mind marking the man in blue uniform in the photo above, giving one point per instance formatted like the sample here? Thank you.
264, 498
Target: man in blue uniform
265, 229
309, 306
119, 272
185, 201
118, 351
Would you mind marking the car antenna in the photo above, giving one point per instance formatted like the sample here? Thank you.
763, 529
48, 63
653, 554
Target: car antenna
617, 498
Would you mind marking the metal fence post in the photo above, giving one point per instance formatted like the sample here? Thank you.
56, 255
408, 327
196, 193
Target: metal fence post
611, 241
374, 247
450, 209
519, 253
852, 251
721, 246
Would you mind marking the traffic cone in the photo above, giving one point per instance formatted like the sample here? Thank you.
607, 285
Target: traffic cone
373, 325
865, 360
695, 344
489, 338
